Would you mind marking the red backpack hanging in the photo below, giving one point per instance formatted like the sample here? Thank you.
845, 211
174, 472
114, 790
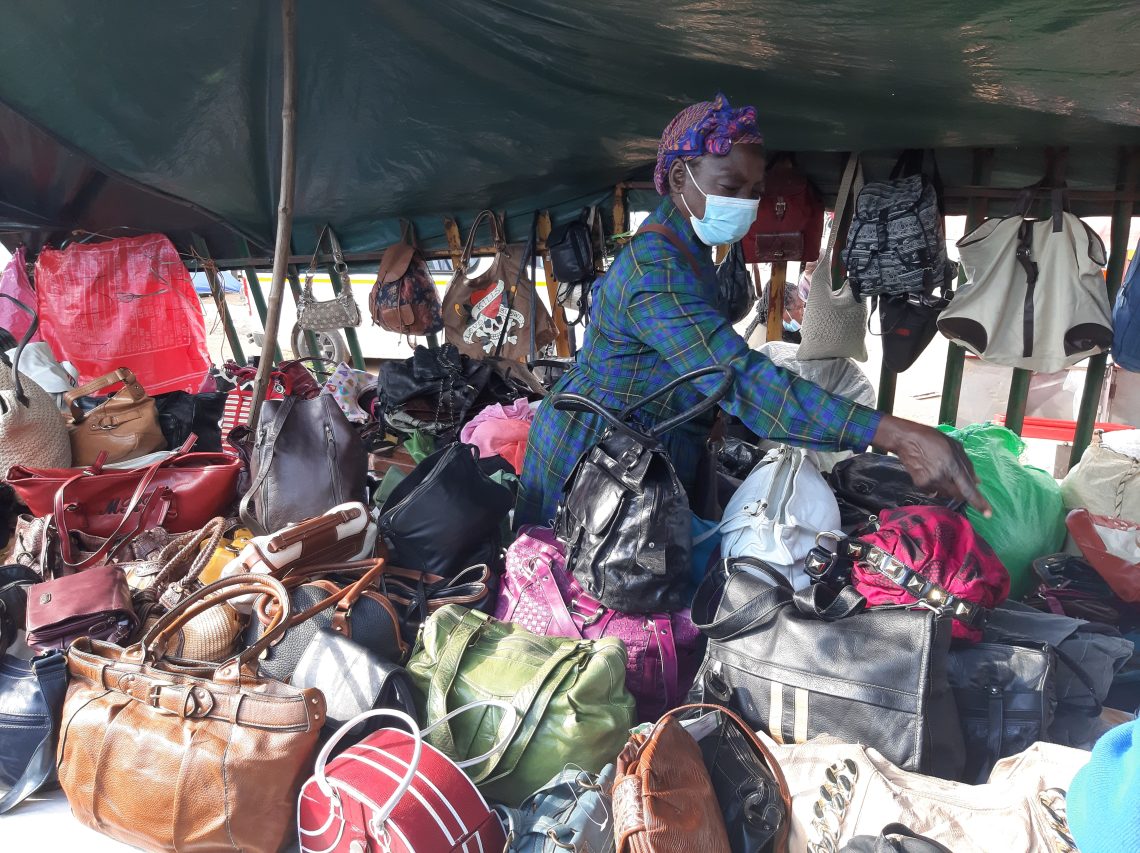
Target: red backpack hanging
789, 224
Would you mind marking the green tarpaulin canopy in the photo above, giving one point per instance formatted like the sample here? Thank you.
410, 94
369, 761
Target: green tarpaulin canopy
430, 107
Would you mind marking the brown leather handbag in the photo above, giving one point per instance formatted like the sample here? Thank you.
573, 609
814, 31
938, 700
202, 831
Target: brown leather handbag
95, 603
664, 800
125, 426
168, 755
404, 298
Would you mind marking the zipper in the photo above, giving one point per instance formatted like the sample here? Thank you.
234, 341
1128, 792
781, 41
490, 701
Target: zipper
331, 452
65, 629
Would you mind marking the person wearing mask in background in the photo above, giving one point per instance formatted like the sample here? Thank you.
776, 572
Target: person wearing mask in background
654, 318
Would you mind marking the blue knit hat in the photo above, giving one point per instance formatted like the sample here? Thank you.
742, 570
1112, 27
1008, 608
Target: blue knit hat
1103, 803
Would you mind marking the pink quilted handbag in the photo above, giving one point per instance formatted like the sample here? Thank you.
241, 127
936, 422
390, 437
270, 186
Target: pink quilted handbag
539, 594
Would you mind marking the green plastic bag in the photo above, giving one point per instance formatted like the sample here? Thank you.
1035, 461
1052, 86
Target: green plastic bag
1029, 515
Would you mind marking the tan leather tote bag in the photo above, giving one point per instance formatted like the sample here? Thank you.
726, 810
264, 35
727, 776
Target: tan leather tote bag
178, 755
125, 425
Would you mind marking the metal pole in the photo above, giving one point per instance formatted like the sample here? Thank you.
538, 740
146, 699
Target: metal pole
310, 337
341, 279
284, 207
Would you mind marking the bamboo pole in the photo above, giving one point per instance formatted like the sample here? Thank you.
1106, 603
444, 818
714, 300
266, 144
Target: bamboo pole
776, 285
281, 248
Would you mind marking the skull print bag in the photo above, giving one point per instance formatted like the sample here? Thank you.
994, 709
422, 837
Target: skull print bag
494, 310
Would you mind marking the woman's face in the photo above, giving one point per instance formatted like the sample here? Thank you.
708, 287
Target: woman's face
739, 174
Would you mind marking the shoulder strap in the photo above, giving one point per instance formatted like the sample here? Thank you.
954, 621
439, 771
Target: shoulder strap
246, 508
17, 387
51, 680
674, 238
759, 610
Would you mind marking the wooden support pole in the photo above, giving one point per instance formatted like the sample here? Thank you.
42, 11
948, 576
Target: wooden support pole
557, 314
219, 295
284, 206
776, 285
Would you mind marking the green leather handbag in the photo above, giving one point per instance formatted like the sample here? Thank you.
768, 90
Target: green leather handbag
570, 696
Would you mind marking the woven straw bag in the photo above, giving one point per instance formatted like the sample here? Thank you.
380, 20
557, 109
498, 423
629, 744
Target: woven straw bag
835, 322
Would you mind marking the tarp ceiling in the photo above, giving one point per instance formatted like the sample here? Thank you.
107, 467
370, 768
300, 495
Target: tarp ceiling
416, 108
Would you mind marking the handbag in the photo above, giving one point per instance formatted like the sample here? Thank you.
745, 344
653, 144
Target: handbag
445, 515
416, 595
404, 298
1126, 319
495, 311
95, 603
347, 385
736, 294
1105, 482
796, 664
776, 513
306, 458
32, 430
569, 694
663, 797
340, 312
181, 413
750, 789
539, 594
895, 838
789, 222
624, 515
31, 699
428, 802
1112, 547
908, 324
361, 614
1006, 695
573, 811
1035, 295
351, 678
14, 583
124, 426
835, 321
245, 739
866, 484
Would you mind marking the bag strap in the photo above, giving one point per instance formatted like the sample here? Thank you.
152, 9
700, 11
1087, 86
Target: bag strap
496, 234
344, 598
813, 601
678, 244
50, 671
845, 185
761, 609
122, 374
18, 387
269, 443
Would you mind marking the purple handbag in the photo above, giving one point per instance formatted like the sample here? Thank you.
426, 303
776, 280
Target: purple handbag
538, 593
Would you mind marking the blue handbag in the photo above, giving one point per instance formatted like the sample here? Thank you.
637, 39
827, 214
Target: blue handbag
572, 811
1126, 318
31, 701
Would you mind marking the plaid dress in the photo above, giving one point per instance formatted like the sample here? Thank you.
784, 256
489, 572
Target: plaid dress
652, 319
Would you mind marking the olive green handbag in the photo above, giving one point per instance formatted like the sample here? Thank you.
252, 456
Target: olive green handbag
570, 696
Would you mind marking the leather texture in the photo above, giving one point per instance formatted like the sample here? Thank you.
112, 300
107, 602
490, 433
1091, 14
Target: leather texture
124, 426
538, 593
569, 694
31, 699
868, 483
573, 811
14, 583
219, 751
95, 603
796, 665
1112, 547
32, 430
789, 222
1006, 696
663, 798
444, 513
306, 442
325, 597
351, 678
404, 298
344, 533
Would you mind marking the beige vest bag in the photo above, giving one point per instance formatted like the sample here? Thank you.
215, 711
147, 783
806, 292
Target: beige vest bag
1035, 295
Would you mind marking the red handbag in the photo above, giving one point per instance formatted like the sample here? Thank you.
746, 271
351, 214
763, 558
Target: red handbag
179, 493
394, 792
789, 223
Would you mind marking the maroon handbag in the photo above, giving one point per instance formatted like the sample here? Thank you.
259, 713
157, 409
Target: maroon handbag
789, 223
95, 603
180, 493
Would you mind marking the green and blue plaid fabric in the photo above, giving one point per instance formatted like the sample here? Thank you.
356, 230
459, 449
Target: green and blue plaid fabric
653, 319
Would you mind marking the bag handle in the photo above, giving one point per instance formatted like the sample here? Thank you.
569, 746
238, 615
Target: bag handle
269, 443
50, 671
344, 598
18, 387
759, 610
781, 843
210, 535
813, 601
496, 235
340, 268
122, 374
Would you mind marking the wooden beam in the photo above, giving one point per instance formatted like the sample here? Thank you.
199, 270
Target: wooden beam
776, 285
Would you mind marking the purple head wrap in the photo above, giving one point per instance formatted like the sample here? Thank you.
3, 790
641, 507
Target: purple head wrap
710, 127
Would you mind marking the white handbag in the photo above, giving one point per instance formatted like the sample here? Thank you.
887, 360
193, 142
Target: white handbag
777, 512
1106, 482
843, 790
1035, 295
835, 322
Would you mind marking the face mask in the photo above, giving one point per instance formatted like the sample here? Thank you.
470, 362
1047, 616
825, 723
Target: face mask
791, 325
726, 219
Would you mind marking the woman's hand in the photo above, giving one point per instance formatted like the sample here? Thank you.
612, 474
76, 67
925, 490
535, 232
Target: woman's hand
936, 462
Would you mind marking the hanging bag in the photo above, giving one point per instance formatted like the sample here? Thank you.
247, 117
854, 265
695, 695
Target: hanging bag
789, 222
404, 298
1126, 318
624, 515
835, 321
1035, 295
340, 312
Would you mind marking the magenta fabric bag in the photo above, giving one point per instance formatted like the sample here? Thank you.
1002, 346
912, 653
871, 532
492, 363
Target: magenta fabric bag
934, 554
14, 282
538, 593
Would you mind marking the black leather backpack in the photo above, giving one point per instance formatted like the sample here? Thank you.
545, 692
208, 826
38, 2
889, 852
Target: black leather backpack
624, 515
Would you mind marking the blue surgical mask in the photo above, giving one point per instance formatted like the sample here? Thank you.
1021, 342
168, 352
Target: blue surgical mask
726, 219
791, 325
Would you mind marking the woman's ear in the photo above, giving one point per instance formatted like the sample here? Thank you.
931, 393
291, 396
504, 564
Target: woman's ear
677, 177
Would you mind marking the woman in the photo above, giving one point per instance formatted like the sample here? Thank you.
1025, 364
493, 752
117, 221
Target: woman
653, 317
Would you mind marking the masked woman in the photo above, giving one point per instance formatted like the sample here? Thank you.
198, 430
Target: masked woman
653, 317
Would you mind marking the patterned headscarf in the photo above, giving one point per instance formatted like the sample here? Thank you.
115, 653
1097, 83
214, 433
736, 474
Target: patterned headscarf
710, 127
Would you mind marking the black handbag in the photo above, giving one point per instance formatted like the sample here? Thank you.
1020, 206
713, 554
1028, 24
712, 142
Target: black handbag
624, 515
416, 595
735, 292
868, 483
571, 252
446, 515
800, 664
31, 701
895, 838
14, 583
909, 323
1006, 696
